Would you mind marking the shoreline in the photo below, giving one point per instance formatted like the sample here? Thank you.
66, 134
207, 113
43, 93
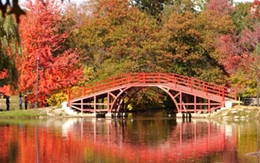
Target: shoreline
227, 114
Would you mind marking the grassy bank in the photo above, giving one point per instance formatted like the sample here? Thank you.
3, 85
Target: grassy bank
28, 114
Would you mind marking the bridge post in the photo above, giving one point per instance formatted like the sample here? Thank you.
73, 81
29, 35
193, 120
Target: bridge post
186, 117
114, 81
108, 102
191, 84
95, 104
195, 104
181, 101
69, 97
84, 91
223, 95
159, 78
128, 79
81, 105
209, 106
99, 86
144, 77
174, 80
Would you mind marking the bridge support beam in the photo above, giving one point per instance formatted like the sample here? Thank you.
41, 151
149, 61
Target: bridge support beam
95, 104
185, 117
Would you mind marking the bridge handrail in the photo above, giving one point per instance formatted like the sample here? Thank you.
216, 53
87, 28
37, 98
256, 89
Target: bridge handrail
153, 78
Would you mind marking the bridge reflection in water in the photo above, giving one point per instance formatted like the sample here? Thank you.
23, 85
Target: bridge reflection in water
98, 140
184, 141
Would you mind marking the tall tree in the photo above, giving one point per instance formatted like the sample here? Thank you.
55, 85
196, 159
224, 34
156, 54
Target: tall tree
179, 7
224, 7
10, 51
151, 7
192, 39
240, 53
42, 38
119, 38
241, 16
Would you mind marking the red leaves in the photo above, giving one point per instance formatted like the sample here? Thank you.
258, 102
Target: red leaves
222, 6
5, 89
3, 74
42, 37
255, 7
234, 55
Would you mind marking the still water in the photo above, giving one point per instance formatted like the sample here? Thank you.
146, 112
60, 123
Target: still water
137, 139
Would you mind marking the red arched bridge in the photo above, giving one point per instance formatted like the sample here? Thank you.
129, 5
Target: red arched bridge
115, 94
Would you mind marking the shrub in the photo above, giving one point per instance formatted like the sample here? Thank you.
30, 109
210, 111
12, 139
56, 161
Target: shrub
57, 98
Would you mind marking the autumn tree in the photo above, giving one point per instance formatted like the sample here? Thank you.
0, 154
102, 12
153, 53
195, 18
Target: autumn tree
43, 37
183, 6
151, 7
223, 7
119, 39
238, 61
241, 16
191, 41
239, 52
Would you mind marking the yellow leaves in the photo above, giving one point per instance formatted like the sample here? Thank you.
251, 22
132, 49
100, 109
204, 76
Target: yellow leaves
57, 98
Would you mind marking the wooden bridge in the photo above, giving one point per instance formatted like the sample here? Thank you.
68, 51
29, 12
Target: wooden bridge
113, 95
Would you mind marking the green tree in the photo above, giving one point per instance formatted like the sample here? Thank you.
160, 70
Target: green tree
180, 7
192, 41
241, 16
118, 38
151, 7
9, 52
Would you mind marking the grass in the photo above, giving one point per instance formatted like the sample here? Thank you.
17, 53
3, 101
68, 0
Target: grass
31, 113
15, 112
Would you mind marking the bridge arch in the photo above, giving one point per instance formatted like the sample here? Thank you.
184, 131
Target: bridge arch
118, 100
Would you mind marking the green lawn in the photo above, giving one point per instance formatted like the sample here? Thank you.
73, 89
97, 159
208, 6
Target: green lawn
32, 113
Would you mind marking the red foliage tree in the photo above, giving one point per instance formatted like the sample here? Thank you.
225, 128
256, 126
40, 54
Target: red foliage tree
42, 36
222, 6
238, 54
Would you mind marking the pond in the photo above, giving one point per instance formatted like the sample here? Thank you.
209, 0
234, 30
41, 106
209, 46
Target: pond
138, 138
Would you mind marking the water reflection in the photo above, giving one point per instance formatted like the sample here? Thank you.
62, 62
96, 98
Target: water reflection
136, 140
37, 144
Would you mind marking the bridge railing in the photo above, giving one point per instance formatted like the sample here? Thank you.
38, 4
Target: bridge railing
153, 78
